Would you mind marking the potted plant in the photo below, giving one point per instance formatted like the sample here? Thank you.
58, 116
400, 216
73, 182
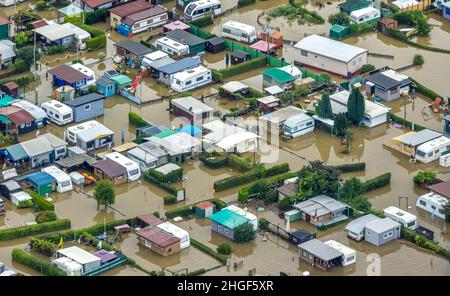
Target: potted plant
424, 178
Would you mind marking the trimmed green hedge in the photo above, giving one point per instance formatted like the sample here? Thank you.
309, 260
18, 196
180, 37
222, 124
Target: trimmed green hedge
402, 37
214, 161
421, 89
412, 236
242, 3
40, 201
22, 231
96, 16
98, 37
255, 63
238, 163
277, 169
207, 250
351, 167
406, 123
202, 22
170, 199
136, 120
197, 272
172, 177
166, 187
190, 209
377, 182
35, 263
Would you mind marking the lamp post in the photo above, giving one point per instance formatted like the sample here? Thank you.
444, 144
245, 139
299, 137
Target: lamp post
185, 179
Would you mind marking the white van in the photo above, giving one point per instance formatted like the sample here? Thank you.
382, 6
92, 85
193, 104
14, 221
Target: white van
408, 220
133, 169
433, 149
202, 8
58, 112
364, 15
171, 47
191, 79
63, 180
239, 31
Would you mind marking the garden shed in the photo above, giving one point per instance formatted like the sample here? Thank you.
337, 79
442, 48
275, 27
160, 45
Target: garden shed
239, 56
205, 209
338, 32
215, 45
41, 182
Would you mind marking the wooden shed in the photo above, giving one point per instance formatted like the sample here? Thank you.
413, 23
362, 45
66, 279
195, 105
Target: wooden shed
385, 24
338, 32
205, 209
239, 56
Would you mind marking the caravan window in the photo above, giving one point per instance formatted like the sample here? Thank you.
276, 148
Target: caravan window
423, 203
420, 153
190, 8
304, 53
200, 78
430, 154
65, 183
61, 151
433, 207
67, 116
225, 30
87, 107
244, 35
134, 172
188, 82
56, 116
309, 123
441, 211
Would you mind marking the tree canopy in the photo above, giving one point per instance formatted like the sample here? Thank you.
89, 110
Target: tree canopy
355, 105
244, 233
340, 124
324, 108
104, 193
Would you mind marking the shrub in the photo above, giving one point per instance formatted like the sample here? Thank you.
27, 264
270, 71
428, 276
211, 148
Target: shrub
351, 167
37, 264
214, 160
172, 177
270, 196
418, 60
339, 18
189, 209
237, 180
156, 214
217, 76
424, 177
92, 88
207, 250
197, 272
263, 223
377, 182
40, 202
412, 236
42, 246
136, 120
284, 204
277, 169
168, 188
41, 5
202, 22
238, 163
244, 233
96, 16
224, 249
54, 49
25, 204
170, 199
17, 232
242, 3
46, 216
367, 68
101, 55
242, 67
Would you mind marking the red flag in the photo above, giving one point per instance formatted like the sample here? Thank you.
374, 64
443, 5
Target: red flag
137, 80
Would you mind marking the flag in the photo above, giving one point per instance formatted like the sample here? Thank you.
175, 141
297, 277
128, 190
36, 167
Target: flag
315, 216
60, 245
137, 80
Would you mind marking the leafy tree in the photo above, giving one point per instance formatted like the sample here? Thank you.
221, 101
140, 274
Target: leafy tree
367, 68
224, 249
424, 177
285, 204
270, 196
351, 194
324, 108
287, 97
21, 39
340, 124
244, 233
356, 105
418, 60
26, 54
104, 193
339, 19
263, 223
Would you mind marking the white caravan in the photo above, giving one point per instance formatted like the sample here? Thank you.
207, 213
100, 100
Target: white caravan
58, 112
133, 169
408, 220
239, 31
191, 79
199, 9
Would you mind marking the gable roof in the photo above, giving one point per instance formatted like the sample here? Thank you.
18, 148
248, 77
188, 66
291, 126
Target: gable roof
185, 37
130, 8
89, 98
37, 146
193, 105
330, 48
382, 80
134, 47
67, 73
96, 3
53, 140
16, 115
110, 167
180, 65
442, 188
144, 14
157, 236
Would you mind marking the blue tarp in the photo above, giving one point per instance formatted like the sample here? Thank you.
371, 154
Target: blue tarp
178, 66
40, 178
16, 152
190, 129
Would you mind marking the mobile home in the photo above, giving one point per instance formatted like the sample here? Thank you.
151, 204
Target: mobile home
355, 229
298, 125
58, 112
63, 181
239, 31
433, 203
176, 231
191, 79
433, 149
70, 267
80, 35
87, 260
90, 74
199, 9
89, 135
365, 15
10, 2
18, 197
349, 254
408, 220
133, 170
382, 231
171, 47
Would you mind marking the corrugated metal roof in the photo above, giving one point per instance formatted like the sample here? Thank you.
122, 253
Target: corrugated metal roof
420, 137
228, 218
110, 167
67, 73
185, 37
134, 47
279, 75
442, 188
17, 152
357, 225
89, 98
37, 146
320, 249
179, 66
157, 236
130, 8
382, 225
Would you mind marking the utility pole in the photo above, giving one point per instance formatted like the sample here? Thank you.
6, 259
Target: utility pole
34, 54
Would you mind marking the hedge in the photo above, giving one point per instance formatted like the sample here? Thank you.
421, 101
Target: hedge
136, 120
253, 175
202, 22
172, 177
238, 163
412, 236
405, 123
40, 201
207, 250
190, 209
432, 95
197, 272
170, 199
37, 264
402, 37
22, 231
166, 187
214, 161
351, 167
98, 37
377, 182
250, 65
44, 247
242, 3
96, 16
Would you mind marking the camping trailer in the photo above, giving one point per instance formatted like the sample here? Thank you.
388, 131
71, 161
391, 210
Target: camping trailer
349, 256
70, 267
365, 15
433, 149
176, 231
298, 125
63, 180
202, 8
58, 112
408, 220
239, 31
191, 79
133, 170
432, 203
171, 47
90, 74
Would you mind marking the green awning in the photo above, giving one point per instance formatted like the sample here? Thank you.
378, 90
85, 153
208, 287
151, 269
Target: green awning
165, 133
279, 75
4, 119
6, 101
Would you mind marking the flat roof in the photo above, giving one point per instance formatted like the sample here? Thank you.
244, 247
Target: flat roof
143, 14
228, 218
167, 168
185, 37
55, 31
150, 219
86, 99
357, 225
320, 249
130, 8
67, 73
157, 236
340, 247
78, 255
192, 72
133, 47
192, 105
415, 139
232, 140
179, 66
382, 225
282, 114
234, 86
110, 167
330, 48
37, 146
279, 75
40, 178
